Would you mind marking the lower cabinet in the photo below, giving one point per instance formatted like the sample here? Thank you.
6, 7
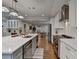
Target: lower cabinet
70, 56
66, 51
17, 54
29, 49
62, 51
34, 45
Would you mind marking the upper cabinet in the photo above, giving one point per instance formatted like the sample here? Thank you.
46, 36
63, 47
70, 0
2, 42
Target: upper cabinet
72, 12
67, 14
14, 24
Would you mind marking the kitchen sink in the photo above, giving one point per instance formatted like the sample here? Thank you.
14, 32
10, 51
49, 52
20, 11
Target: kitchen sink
27, 36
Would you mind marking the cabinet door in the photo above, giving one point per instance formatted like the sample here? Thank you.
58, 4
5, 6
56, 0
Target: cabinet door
6, 56
66, 52
14, 24
57, 23
33, 45
70, 52
17, 23
17, 54
62, 51
28, 50
9, 24
70, 56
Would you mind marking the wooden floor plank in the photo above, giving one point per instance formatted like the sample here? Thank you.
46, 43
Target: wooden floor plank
48, 48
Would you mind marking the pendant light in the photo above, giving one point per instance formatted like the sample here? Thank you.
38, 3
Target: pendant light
14, 13
21, 17
4, 9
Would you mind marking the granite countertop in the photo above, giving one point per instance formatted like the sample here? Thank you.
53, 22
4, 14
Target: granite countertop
11, 44
71, 42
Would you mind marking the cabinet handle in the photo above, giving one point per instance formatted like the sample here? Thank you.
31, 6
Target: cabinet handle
67, 48
17, 23
67, 57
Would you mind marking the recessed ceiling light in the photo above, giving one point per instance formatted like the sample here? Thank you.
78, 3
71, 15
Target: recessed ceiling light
33, 7
42, 15
25, 15
21, 17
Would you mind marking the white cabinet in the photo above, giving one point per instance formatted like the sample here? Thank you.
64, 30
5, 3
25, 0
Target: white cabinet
29, 48
61, 51
72, 12
17, 54
66, 51
13, 23
70, 56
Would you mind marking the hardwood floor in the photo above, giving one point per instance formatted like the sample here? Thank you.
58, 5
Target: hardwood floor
48, 48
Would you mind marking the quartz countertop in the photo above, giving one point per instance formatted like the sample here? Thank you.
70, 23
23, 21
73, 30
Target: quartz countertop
71, 42
11, 44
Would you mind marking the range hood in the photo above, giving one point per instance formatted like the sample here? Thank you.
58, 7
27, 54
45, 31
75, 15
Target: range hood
64, 13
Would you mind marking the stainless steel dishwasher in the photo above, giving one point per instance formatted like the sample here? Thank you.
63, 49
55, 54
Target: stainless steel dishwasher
28, 50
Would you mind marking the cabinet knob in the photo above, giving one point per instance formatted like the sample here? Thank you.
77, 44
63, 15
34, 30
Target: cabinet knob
67, 48
67, 57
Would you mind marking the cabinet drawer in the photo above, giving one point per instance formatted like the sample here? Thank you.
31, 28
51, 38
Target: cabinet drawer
67, 52
70, 49
18, 56
70, 56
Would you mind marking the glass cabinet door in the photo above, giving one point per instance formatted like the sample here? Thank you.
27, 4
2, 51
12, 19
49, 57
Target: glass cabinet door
14, 24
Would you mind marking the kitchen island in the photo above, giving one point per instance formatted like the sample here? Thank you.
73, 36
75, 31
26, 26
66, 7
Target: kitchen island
15, 47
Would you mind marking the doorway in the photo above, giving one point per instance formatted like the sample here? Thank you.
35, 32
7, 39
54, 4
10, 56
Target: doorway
49, 32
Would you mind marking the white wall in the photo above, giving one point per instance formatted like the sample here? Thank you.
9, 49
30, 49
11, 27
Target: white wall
4, 28
44, 28
58, 24
73, 12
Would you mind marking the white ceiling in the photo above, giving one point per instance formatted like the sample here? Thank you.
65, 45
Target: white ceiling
36, 8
